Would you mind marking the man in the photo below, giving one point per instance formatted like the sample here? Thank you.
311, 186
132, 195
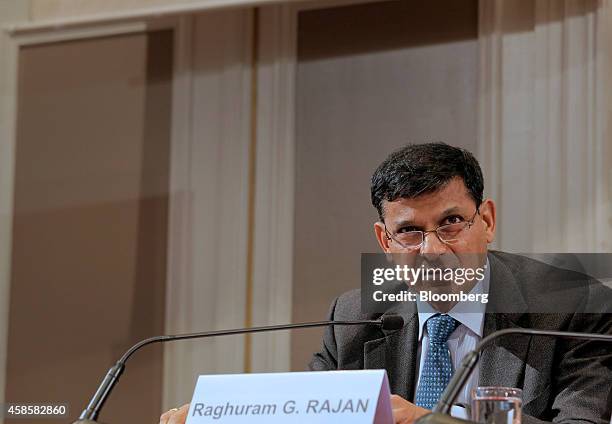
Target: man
429, 199
418, 192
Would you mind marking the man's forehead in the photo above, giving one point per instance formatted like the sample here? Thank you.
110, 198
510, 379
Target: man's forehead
452, 198
401, 211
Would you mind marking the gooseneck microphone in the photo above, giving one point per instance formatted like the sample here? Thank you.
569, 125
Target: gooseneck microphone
90, 414
440, 413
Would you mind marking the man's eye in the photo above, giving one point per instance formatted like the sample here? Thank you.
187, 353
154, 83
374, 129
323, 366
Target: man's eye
453, 219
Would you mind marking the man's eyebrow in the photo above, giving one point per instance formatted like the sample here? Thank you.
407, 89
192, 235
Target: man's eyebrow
411, 223
453, 209
406, 223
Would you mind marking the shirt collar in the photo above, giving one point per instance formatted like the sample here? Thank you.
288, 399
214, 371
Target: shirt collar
470, 315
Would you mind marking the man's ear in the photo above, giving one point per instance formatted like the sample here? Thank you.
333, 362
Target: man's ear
381, 236
487, 213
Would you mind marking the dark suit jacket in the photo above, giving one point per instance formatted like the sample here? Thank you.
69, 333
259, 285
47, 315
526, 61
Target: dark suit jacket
562, 380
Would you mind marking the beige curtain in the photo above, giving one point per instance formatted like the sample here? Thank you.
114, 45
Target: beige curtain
542, 129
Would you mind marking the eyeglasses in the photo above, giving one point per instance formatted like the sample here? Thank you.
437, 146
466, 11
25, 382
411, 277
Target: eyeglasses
448, 234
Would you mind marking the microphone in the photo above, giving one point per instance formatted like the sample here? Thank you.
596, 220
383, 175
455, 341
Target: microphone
440, 412
90, 414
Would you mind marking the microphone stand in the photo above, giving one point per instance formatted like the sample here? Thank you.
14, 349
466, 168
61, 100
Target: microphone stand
440, 413
90, 414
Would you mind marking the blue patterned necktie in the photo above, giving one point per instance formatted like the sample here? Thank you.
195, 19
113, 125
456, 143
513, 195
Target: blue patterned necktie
437, 367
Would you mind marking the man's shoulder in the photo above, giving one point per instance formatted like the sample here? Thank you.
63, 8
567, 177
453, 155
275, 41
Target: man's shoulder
532, 267
518, 263
347, 306
546, 283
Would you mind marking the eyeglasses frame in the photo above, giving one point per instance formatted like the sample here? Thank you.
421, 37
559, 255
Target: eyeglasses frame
468, 225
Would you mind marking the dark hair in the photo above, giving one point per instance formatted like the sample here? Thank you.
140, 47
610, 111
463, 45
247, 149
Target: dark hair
418, 169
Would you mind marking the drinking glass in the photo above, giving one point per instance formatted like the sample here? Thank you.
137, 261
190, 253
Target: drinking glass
496, 405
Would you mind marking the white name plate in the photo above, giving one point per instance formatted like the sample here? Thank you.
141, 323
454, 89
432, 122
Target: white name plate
356, 397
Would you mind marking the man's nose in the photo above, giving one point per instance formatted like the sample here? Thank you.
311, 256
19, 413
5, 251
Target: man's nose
432, 245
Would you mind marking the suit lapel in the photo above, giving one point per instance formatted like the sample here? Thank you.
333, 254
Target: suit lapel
502, 363
396, 352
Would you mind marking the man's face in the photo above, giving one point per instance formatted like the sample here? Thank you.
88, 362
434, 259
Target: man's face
449, 205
